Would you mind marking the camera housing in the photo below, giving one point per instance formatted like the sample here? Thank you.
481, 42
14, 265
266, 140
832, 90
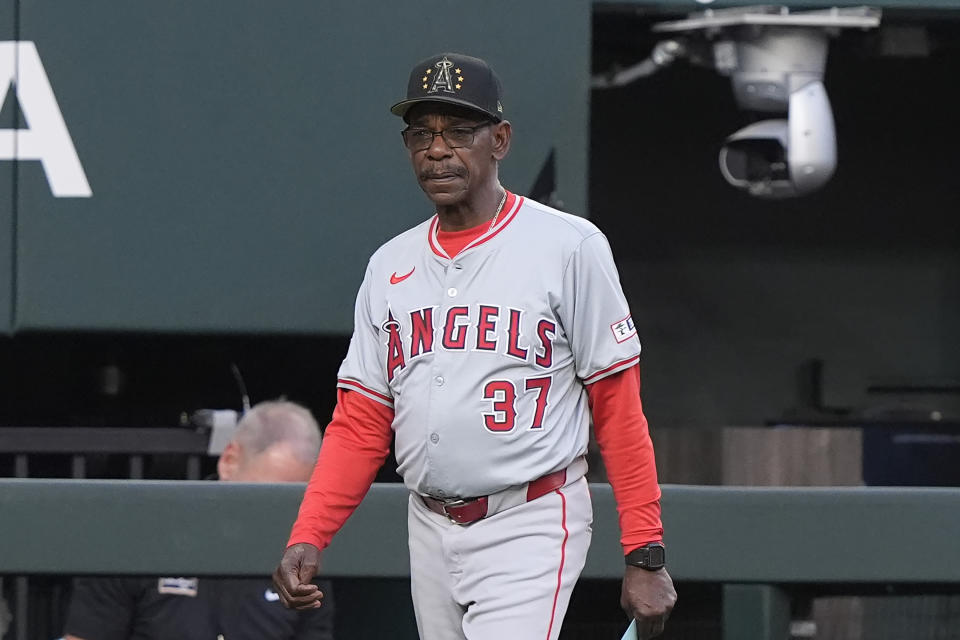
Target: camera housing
776, 60
784, 158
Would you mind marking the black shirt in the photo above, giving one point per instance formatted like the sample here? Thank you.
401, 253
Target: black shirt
191, 609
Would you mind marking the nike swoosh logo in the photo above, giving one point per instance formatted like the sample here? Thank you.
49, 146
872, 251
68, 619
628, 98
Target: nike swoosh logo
270, 595
395, 279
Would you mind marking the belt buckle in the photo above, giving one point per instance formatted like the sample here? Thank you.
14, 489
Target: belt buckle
459, 502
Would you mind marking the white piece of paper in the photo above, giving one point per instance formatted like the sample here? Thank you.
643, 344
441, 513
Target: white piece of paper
631, 632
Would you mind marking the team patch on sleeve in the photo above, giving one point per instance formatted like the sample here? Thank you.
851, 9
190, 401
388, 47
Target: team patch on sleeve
624, 329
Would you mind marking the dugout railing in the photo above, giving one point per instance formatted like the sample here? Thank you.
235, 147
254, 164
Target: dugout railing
70, 452
760, 543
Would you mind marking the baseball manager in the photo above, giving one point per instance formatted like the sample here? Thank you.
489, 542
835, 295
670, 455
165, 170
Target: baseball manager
484, 338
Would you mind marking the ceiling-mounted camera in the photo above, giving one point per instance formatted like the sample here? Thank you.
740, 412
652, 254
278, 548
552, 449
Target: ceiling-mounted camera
775, 60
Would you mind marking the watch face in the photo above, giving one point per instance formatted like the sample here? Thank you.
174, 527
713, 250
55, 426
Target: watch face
656, 557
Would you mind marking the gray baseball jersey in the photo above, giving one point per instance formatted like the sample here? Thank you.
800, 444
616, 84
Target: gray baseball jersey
484, 355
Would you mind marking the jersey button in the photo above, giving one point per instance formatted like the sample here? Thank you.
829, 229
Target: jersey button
452, 292
434, 438
458, 266
439, 381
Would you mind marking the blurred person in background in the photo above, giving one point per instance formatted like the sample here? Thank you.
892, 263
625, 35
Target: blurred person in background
273, 442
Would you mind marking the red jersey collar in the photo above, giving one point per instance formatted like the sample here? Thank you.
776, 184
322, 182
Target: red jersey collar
510, 208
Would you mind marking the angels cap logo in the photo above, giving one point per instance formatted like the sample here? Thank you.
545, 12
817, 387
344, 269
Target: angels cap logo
454, 78
442, 79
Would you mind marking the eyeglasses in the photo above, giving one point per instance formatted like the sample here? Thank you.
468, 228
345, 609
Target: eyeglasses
420, 138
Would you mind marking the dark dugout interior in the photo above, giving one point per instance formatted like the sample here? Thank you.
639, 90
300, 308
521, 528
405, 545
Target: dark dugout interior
736, 297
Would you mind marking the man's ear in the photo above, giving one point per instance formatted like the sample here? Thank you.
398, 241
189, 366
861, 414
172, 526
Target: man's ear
229, 462
502, 133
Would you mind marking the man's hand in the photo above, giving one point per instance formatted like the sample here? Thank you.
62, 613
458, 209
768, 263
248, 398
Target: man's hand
648, 596
293, 577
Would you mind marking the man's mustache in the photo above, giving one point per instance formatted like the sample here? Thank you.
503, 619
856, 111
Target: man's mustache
442, 172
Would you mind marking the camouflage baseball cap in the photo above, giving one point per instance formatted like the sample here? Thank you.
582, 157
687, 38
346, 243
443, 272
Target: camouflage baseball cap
453, 78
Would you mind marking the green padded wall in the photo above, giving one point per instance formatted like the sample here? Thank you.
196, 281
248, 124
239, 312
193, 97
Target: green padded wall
242, 159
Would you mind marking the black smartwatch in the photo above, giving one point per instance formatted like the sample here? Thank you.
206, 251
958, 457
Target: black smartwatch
650, 557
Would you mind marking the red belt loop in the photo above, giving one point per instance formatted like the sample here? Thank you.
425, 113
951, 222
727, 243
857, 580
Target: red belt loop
470, 510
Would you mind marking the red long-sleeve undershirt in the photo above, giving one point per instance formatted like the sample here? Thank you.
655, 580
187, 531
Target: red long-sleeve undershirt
624, 439
355, 444
357, 441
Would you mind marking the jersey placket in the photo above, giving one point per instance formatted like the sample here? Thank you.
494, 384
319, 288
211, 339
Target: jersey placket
456, 273
451, 295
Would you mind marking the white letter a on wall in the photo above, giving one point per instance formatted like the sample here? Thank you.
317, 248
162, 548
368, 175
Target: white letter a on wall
46, 137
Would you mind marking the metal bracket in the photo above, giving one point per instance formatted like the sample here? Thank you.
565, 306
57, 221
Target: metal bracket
714, 20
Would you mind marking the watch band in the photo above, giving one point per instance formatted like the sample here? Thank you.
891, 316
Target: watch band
651, 557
